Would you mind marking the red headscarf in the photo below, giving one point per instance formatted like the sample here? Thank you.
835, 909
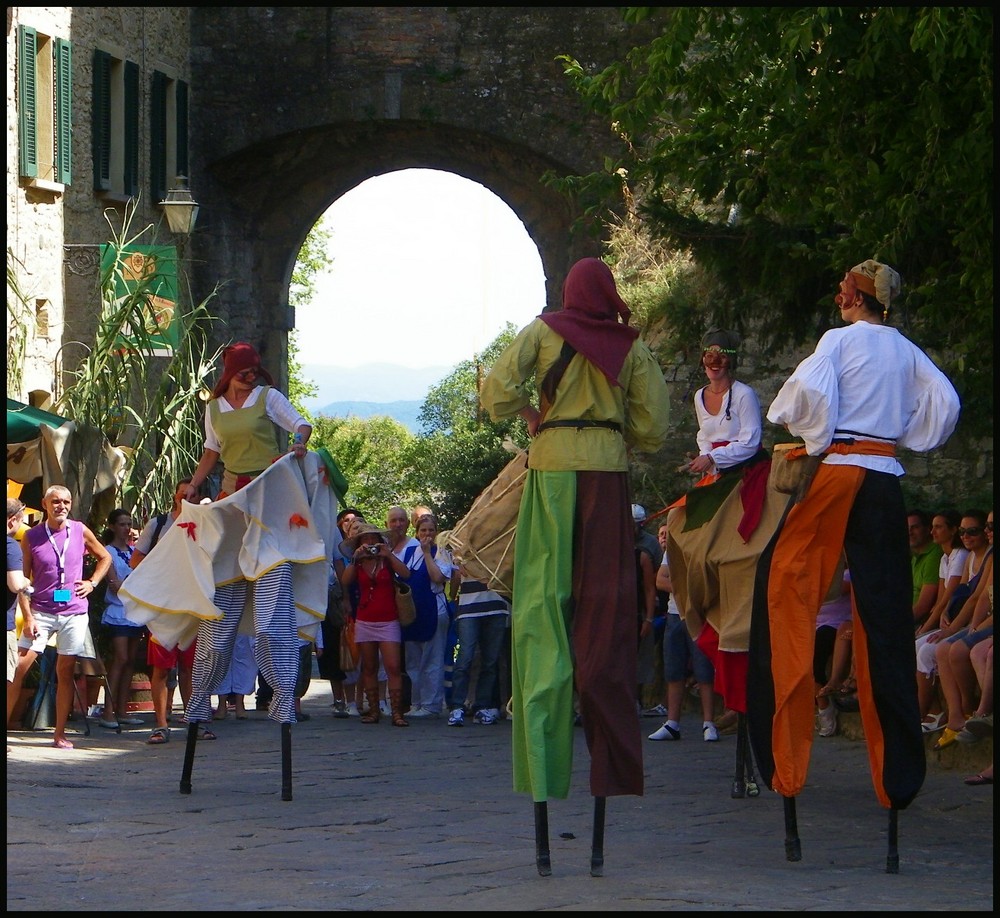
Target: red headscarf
236, 358
588, 319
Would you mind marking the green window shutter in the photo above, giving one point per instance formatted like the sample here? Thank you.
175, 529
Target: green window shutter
158, 137
27, 102
64, 110
101, 128
131, 127
182, 128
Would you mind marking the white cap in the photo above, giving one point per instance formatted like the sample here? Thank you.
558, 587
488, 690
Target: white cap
638, 513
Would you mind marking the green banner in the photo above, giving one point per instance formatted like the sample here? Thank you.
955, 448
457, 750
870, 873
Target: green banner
153, 269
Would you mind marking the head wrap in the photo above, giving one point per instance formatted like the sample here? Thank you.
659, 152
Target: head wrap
589, 316
877, 280
235, 359
638, 513
728, 342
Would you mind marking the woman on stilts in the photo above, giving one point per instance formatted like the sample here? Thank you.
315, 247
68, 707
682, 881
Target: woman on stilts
573, 610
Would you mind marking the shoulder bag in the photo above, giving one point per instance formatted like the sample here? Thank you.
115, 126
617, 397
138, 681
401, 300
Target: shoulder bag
405, 608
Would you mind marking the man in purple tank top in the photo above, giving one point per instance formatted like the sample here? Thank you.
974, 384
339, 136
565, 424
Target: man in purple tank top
53, 562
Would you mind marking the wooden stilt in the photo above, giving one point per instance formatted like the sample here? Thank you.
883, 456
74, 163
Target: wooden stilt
542, 857
750, 782
892, 859
793, 847
286, 761
739, 783
192, 742
597, 844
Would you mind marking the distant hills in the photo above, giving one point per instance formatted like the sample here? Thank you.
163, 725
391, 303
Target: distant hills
404, 412
371, 390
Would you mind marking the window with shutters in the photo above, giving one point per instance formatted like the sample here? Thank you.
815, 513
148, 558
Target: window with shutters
44, 109
115, 129
168, 137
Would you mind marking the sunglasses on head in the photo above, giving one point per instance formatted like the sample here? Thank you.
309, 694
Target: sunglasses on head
244, 375
970, 531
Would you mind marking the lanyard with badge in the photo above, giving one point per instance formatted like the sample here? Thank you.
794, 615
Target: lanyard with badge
61, 594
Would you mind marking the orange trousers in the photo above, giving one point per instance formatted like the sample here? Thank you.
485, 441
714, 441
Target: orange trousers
861, 513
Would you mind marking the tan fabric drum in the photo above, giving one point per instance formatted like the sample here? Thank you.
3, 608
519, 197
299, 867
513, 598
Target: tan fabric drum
484, 538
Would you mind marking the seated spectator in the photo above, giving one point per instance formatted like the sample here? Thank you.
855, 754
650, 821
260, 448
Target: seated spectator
944, 530
832, 655
955, 673
980, 725
925, 558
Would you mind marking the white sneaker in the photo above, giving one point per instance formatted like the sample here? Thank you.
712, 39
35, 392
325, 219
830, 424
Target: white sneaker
666, 732
709, 732
421, 711
826, 721
656, 711
487, 717
383, 706
456, 718
352, 709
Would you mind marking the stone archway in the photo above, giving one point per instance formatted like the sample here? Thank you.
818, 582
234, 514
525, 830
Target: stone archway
292, 107
270, 197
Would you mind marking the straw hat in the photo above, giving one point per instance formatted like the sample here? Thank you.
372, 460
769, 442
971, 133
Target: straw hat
350, 545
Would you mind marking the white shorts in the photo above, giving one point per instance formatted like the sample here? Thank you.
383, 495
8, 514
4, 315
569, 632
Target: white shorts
927, 654
71, 633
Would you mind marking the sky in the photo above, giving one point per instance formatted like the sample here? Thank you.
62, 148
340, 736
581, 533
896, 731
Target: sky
427, 269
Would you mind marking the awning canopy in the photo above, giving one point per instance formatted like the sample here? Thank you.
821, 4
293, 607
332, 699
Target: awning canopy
45, 449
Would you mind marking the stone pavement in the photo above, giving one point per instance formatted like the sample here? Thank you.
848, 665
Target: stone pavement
424, 819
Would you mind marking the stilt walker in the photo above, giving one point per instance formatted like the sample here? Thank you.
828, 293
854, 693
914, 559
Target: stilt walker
864, 392
262, 549
718, 528
573, 610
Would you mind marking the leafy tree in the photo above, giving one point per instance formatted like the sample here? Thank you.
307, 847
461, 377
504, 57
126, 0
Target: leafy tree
782, 145
371, 454
147, 405
312, 259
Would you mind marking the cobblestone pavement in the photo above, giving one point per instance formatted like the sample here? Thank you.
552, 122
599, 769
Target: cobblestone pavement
425, 819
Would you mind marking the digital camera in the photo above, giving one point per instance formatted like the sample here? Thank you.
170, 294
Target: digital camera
371, 549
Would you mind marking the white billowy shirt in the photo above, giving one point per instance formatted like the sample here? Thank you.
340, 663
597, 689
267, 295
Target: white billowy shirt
867, 382
742, 428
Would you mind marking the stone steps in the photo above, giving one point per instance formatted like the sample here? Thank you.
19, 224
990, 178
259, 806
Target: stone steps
969, 758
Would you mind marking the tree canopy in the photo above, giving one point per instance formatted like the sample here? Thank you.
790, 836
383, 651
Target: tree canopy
781, 146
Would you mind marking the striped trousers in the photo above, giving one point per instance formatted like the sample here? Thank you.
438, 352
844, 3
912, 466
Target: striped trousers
277, 644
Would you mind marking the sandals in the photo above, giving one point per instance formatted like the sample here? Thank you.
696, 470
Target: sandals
206, 734
159, 736
935, 723
948, 738
978, 780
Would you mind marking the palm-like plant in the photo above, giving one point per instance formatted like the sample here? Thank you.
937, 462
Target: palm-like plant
147, 405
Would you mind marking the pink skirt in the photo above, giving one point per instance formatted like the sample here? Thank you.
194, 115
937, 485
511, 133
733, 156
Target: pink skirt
377, 631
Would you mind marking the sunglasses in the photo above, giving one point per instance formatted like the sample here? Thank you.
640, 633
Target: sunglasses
245, 375
971, 531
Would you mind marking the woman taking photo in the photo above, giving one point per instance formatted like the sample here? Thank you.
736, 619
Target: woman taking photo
373, 569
